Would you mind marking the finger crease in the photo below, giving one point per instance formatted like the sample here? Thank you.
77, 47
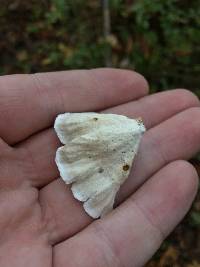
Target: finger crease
33, 166
151, 223
104, 236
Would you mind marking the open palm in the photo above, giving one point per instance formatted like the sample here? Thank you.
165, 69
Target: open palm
41, 224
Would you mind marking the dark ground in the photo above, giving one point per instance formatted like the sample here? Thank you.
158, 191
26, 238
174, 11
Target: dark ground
160, 39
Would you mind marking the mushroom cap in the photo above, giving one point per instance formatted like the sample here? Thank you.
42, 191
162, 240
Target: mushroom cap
96, 156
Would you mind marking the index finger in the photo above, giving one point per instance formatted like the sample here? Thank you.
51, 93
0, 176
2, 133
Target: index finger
30, 103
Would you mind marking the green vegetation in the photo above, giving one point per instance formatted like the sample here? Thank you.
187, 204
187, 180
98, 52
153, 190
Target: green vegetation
160, 39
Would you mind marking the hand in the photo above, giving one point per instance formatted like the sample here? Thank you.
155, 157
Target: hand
41, 224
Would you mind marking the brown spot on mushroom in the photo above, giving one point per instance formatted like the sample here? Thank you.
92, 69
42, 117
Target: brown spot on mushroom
95, 119
126, 167
101, 170
139, 120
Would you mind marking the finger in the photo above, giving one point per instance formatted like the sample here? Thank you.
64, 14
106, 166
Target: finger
23, 240
135, 230
40, 149
30, 103
155, 108
174, 139
177, 138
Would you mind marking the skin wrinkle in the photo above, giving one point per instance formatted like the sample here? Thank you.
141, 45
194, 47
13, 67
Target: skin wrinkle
101, 235
155, 142
97, 83
161, 234
15, 195
52, 220
26, 147
60, 95
44, 230
38, 86
3, 145
33, 166
14, 99
41, 90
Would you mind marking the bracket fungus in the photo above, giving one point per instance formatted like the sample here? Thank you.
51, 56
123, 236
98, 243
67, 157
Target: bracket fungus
96, 156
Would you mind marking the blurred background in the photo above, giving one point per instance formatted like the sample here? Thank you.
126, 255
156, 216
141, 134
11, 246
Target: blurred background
160, 39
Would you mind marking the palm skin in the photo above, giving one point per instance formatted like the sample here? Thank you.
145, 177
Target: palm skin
40, 222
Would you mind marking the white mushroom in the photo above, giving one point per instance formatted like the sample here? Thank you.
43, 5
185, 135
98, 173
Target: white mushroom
97, 156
